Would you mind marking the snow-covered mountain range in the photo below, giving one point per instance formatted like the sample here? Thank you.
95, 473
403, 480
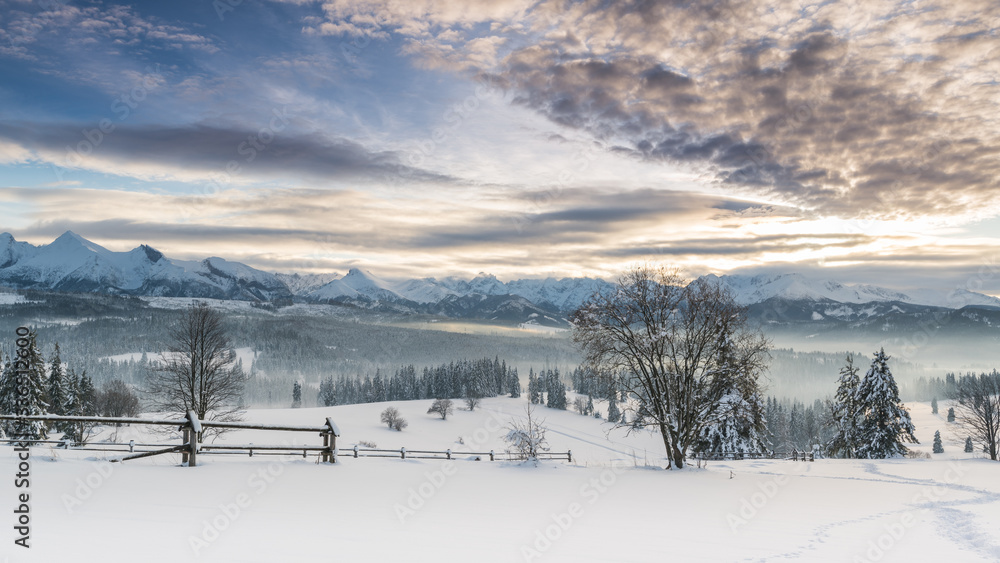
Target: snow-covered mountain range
750, 290
72, 263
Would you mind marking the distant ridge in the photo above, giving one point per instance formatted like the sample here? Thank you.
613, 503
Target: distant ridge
73, 263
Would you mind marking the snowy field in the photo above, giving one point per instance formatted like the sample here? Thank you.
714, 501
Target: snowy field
613, 503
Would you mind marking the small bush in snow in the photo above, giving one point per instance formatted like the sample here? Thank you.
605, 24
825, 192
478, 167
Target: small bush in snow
526, 437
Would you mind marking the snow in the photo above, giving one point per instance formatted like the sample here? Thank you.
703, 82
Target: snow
11, 299
607, 506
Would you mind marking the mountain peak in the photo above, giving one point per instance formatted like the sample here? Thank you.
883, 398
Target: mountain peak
70, 241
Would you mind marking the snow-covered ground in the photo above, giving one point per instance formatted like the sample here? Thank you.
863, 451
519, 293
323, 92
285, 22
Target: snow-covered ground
614, 503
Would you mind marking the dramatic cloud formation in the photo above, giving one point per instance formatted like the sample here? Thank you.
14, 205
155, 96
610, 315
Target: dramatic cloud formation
854, 139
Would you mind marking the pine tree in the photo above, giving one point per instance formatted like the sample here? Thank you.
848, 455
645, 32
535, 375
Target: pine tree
938, 447
57, 388
951, 414
884, 424
23, 392
327, 392
934, 406
556, 391
8, 394
513, 384
533, 390
844, 412
88, 396
741, 426
968, 445
614, 415
296, 395
590, 404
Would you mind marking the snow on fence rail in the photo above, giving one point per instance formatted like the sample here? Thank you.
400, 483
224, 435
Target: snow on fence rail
192, 428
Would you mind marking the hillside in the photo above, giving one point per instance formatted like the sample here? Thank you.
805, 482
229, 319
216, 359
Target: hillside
606, 506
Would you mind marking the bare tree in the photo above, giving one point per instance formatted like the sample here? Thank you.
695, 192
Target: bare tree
117, 399
978, 409
442, 407
200, 371
676, 348
391, 418
472, 401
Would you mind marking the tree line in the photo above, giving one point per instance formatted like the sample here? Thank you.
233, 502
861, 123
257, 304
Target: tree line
462, 379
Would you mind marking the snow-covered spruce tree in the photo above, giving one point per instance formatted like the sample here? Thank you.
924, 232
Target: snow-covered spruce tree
883, 422
327, 392
556, 391
740, 426
513, 384
80, 401
844, 411
934, 406
533, 390
951, 414
738, 423
614, 415
27, 379
8, 393
57, 387
590, 404
938, 448
968, 445
296, 395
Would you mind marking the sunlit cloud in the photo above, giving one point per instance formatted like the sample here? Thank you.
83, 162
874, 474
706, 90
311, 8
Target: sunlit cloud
524, 138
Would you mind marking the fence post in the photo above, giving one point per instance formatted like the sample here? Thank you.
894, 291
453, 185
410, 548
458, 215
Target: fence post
184, 440
569, 456
195, 425
333, 432
491, 455
131, 446
402, 452
448, 452
355, 450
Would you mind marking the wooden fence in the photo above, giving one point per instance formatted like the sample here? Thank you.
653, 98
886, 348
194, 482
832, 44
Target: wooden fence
191, 428
493, 455
721, 456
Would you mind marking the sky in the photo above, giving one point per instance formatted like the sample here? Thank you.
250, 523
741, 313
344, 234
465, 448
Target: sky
855, 141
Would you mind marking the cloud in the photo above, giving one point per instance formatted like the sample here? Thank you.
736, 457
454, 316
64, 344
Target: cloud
208, 153
845, 108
